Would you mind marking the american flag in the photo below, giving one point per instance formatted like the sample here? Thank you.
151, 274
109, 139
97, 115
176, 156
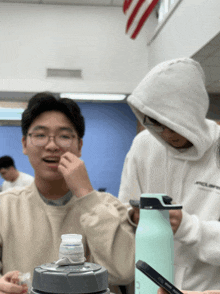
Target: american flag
137, 12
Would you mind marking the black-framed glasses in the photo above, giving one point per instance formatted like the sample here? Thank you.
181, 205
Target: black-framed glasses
153, 123
61, 140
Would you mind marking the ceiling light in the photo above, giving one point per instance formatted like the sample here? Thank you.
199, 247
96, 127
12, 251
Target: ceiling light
94, 97
11, 113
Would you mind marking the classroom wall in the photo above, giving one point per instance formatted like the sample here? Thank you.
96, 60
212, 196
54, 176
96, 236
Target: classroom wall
192, 25
93, 39
214, 108
88, 38
110, 129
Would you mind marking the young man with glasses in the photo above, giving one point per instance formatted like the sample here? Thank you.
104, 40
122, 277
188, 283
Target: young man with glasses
61, 200
178, 155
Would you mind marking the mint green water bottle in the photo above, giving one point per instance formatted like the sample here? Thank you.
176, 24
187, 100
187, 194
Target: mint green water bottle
154, 240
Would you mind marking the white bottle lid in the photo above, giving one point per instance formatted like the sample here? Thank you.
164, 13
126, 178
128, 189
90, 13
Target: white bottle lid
72, 238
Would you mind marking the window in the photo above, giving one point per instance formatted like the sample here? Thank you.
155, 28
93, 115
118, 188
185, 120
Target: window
165, 7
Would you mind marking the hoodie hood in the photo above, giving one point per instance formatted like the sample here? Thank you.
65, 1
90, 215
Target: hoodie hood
174, 94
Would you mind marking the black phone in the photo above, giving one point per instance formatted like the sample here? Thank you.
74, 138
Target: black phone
156, 277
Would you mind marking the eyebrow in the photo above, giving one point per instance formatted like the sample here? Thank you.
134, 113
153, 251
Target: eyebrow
47, 129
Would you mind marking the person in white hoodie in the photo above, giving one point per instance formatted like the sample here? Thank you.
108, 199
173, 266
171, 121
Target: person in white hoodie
179, 154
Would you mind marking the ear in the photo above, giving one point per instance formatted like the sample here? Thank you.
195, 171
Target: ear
80, 144
24, 145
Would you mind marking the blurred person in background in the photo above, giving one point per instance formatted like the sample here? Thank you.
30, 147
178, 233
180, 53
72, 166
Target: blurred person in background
12, 177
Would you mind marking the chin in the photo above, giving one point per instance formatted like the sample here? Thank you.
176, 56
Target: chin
175, 145
52, 177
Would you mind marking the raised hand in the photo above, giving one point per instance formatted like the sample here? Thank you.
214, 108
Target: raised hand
75, 174
175, 219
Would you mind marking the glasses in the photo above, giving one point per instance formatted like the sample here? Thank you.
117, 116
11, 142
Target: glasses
61, 140
155, 125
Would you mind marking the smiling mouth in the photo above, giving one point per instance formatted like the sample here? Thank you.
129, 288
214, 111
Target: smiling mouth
51, 160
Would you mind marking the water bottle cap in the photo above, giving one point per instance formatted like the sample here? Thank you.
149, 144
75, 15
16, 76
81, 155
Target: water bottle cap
71, 238
157, 201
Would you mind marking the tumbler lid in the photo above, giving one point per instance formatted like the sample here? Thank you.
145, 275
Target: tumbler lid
157, 201
84, 278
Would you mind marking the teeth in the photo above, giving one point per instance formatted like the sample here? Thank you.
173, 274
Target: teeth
50, 160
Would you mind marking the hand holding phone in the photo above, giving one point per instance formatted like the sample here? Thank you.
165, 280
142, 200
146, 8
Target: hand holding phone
134, 203
156, 277
136, 210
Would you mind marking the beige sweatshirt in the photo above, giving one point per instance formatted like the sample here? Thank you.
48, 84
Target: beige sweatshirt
30, 231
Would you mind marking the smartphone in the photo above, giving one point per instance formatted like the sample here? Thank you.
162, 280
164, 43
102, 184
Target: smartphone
156, 277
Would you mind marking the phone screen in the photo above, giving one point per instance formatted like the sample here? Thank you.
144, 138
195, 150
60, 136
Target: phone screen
156, 277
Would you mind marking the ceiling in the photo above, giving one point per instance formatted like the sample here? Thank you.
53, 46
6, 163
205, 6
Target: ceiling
70, 2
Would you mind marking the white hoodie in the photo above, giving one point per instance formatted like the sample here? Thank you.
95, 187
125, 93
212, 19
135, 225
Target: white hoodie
174, 94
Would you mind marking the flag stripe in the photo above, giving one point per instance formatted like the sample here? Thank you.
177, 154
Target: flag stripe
144, 18
133, 14
138, 16
126, 5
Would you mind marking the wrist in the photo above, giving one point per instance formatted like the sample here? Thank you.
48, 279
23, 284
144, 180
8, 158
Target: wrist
81, 192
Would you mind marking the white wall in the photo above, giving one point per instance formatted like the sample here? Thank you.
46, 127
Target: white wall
193, 24
35, 37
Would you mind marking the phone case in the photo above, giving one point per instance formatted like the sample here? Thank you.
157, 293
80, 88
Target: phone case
156, 277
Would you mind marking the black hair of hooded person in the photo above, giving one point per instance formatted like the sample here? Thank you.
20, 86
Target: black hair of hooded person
46, 101
6, 162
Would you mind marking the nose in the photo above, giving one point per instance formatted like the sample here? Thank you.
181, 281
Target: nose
52, 144
167, 133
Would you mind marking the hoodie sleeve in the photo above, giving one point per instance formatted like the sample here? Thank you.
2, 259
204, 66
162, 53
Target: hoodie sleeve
110, 237
129, 186
203, 237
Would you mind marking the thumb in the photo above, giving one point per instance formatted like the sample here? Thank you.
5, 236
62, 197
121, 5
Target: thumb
161, 291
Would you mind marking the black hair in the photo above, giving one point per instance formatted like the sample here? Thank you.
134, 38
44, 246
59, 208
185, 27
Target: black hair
6, 162
45, 101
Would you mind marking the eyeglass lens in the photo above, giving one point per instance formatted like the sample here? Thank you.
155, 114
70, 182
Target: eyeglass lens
42, 140
153, 123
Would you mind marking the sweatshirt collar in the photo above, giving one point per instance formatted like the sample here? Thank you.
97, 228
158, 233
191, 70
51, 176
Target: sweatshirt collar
58, 202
